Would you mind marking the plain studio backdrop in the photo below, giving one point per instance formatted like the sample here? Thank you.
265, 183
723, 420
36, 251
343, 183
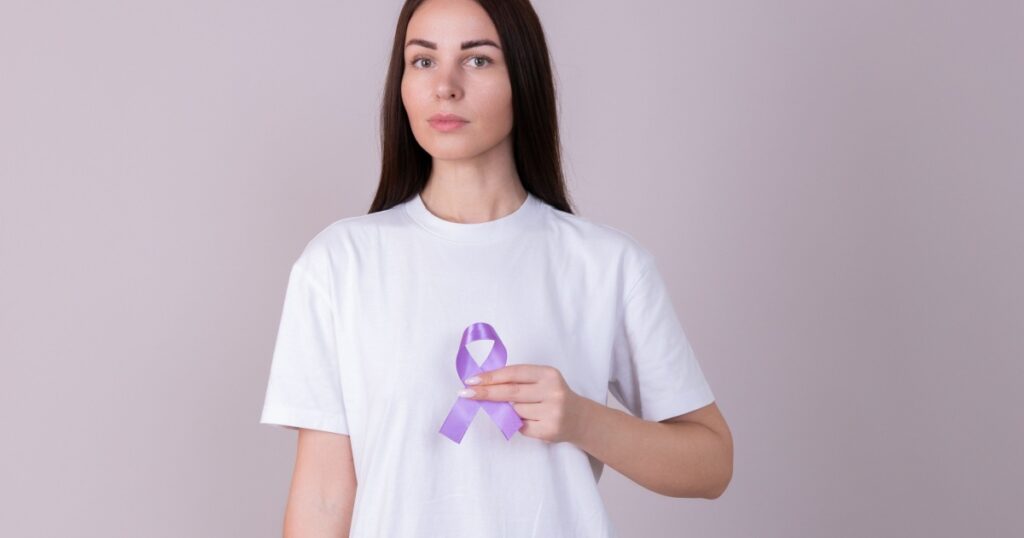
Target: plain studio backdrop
833, 190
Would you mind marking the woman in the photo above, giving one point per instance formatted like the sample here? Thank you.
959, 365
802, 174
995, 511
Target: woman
469, 265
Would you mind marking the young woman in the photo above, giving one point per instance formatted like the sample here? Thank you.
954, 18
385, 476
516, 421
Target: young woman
471, 272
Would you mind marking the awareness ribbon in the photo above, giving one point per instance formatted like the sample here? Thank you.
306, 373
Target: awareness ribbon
464, 409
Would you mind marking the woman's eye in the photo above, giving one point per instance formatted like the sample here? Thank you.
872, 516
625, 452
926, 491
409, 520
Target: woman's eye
485, 58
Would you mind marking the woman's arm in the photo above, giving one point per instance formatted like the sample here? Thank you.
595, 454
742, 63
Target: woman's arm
689, 455
323, 488
685, 456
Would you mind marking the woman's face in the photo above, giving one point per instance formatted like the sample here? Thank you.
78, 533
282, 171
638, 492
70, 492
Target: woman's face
443, 77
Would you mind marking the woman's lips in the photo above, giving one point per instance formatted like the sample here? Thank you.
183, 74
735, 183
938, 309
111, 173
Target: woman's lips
447, 125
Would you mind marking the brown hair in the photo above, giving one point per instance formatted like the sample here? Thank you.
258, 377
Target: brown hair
405, 165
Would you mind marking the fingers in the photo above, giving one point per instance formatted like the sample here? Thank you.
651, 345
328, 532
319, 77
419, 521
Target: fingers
516, 373
529, 411
505, 392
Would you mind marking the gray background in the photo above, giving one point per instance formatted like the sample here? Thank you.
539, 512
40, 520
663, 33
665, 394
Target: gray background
832, 189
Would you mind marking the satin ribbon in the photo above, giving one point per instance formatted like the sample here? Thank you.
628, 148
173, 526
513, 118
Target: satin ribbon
464, 409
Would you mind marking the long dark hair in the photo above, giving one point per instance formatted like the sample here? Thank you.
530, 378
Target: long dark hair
405, 165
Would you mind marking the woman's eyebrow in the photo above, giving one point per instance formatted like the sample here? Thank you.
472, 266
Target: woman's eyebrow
465, 44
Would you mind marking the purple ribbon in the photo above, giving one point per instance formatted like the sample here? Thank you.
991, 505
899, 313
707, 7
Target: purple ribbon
464, 409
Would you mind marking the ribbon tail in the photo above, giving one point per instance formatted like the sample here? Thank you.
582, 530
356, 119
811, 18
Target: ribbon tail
504, 415
459, 419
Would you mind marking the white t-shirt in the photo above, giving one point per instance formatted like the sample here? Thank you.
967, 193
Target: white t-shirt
373, 318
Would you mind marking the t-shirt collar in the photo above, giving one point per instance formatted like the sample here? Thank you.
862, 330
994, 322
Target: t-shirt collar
481, 232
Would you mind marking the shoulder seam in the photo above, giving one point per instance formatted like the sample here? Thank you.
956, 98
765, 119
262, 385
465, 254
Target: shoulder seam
317, 287
633, 287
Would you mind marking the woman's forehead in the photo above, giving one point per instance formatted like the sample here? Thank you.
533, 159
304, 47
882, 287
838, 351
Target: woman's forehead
449, 23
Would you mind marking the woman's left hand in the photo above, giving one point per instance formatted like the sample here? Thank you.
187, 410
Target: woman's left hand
550, 410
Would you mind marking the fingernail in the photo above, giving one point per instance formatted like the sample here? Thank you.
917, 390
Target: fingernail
466, 393
473, 380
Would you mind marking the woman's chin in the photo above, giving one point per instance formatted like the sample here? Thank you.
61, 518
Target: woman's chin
453, 152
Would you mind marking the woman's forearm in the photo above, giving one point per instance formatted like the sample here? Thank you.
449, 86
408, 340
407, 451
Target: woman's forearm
679, 459
309, 517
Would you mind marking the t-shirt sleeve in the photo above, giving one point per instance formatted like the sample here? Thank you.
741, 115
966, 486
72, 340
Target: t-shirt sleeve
304, 389
654, 372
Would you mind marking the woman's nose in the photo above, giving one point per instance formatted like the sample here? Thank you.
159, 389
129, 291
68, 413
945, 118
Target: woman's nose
448, 85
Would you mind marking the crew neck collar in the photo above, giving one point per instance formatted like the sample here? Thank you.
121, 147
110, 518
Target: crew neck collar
490, 231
